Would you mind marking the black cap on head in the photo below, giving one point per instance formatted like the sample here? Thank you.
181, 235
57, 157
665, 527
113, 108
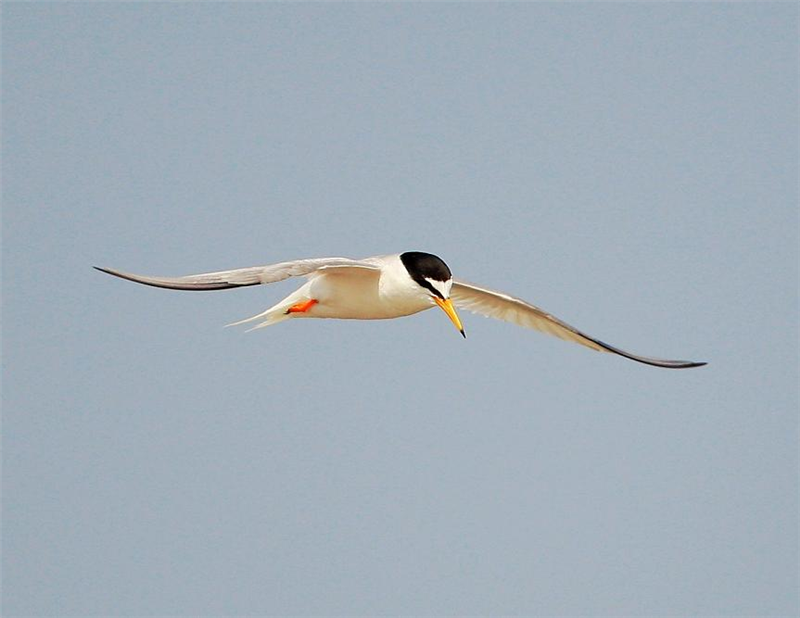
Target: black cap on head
424, 266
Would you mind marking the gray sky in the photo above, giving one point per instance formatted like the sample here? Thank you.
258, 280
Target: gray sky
631, 168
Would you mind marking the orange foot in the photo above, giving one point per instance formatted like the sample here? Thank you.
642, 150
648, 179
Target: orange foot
302, 307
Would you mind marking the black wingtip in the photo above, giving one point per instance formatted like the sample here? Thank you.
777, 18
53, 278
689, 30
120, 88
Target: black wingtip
654, 362
673, 364
114, 273
665, 364
107, 271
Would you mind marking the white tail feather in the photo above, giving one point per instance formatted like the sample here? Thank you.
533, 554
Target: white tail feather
276, 313
251, 319
273, 315
273, 319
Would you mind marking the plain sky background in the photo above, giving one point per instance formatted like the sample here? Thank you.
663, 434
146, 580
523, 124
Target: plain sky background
632, 168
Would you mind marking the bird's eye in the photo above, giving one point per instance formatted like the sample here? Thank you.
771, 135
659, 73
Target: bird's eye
434, 287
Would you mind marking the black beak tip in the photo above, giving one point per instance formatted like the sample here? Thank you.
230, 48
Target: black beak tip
463, 334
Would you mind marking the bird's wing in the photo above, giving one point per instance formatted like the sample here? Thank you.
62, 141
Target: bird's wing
500, 306
240, 277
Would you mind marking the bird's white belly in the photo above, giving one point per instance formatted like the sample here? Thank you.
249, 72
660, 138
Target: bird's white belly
359, 297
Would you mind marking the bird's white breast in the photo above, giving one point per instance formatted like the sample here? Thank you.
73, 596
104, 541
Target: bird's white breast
367, 294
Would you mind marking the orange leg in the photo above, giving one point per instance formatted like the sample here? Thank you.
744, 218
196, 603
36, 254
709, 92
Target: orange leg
302, 307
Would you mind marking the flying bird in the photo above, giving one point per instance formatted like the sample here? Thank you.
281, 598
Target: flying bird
384, 287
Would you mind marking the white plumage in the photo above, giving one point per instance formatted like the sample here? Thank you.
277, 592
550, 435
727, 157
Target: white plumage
384, 287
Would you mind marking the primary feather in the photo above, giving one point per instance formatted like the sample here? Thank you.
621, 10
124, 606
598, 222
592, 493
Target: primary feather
241, 277
501, 306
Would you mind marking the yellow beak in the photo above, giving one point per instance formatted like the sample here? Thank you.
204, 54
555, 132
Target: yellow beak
447, 307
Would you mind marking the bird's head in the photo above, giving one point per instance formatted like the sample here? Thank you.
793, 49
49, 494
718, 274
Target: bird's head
434, 277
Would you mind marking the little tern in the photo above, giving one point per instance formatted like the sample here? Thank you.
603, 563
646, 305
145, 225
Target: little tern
384, 287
